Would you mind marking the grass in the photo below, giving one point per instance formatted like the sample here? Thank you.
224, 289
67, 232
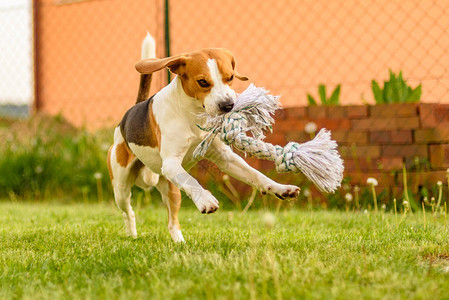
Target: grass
81, 251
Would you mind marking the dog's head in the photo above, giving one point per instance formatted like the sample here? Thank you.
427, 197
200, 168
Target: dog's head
206, 75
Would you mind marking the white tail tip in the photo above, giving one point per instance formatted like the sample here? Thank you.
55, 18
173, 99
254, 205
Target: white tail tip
148, 47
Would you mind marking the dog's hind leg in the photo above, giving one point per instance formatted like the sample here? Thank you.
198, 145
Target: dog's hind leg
171, 196
122, 194
123, 178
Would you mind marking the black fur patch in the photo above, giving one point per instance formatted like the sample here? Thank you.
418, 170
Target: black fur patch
135, 125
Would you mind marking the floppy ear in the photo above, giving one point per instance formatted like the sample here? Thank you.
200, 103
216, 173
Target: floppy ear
151, 65
236, 74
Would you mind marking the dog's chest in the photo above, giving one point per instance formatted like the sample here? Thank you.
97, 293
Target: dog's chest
151, 157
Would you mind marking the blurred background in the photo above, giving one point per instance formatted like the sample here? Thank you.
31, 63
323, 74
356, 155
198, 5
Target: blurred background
375, 72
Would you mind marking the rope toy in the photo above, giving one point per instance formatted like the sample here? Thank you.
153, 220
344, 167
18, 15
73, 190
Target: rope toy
318, 159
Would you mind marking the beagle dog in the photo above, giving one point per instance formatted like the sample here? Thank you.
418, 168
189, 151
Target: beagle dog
154, 142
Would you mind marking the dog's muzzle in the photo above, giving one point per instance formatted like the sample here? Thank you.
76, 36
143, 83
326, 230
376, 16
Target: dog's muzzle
226, 106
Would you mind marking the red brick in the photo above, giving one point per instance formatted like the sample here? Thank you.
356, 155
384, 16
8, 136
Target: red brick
252, 161
336, 112
401, 137
349, 137
297, 136
361, 164
439, 156
441, 113
206, 171
434, 135
345, 151
266, 165
333, 124
406, 123
317, 112
426, 115
373, 124
355, 151
431, 177
283, 126
359, 138
384, 179
379, 137
391, 163
357, 112
280, 114
394, 110
410, 151
276, 139
295, 113
350, 165
425, 178
363, 124
432, 115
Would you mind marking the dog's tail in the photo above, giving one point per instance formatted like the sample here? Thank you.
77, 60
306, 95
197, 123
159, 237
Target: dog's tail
148, 51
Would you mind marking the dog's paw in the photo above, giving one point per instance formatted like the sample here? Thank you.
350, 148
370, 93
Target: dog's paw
282, 191
176, 235
205, 202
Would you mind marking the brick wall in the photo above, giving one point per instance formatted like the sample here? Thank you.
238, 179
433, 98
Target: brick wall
376, 140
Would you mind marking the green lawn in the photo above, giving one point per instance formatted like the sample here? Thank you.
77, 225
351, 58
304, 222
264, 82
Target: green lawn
81, 251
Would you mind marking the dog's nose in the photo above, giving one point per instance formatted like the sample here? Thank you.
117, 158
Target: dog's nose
226, 106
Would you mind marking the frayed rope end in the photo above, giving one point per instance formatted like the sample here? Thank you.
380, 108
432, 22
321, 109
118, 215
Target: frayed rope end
318, 159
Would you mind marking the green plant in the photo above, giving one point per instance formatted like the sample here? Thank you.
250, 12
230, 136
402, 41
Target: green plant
334, 99
45, 157
395, 90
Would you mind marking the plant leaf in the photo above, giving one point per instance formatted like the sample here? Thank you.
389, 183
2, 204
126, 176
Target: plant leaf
335, 97
311, 101
377, 92
392, 75
415, 96
322, 92
395, 89
405, 91
388, 92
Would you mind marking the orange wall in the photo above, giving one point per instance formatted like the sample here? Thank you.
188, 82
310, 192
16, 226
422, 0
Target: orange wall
87, 50
86, 57
292, 46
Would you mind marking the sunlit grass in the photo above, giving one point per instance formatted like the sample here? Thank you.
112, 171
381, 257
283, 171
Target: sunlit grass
81, 251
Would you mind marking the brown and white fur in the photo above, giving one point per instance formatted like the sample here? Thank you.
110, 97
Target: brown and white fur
154, 142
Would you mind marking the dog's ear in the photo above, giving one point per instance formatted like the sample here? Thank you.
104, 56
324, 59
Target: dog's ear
151, 65
231, 57
241, 77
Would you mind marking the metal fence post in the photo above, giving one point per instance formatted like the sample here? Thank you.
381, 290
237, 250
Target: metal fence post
167, 34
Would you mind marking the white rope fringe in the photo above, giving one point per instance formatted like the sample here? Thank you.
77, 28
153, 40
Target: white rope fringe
318, 159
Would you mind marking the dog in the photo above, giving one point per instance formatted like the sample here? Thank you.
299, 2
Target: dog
154, 142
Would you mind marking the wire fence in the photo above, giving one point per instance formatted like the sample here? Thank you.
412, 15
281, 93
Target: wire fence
289, 47
292, 46
76, 58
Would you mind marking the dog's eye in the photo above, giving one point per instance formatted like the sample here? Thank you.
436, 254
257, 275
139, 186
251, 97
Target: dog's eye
230, 78
203, 83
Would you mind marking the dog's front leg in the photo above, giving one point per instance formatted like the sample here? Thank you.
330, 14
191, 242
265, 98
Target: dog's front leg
232, 164
175, 173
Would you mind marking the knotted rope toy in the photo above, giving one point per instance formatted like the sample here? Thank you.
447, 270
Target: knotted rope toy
318, 159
